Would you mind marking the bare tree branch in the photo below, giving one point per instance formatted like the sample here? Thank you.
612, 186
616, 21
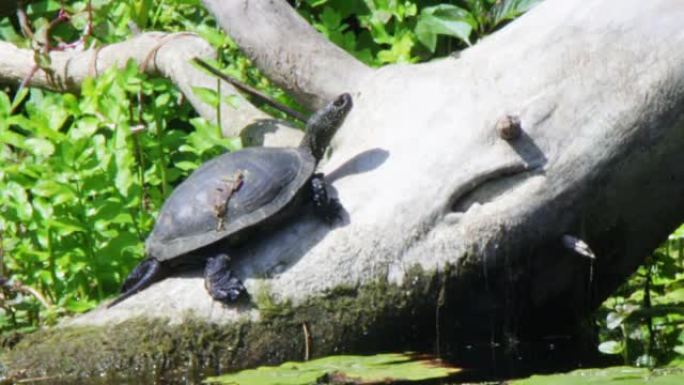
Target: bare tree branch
168, 55
289, 50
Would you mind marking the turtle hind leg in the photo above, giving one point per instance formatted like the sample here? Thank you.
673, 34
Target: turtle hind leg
146, 273
219, 280
326, 207
137, 274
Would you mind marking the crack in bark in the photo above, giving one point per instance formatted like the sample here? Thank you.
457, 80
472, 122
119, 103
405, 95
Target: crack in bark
489, 185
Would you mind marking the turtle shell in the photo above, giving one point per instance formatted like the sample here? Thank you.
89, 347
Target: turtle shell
226, 195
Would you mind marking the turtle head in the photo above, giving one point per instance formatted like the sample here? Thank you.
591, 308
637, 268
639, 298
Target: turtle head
323, 124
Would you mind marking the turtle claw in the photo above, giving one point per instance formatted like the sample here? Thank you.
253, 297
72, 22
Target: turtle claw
220, 282
228, 292
235, 290
327, 208
331, 212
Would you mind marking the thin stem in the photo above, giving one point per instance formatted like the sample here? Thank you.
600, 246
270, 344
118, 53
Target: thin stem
140, 163
52, 266
89, 240
21, 287
625, 342
647, 306
2, 254
155, 17
258, 95
218, 105
161, 156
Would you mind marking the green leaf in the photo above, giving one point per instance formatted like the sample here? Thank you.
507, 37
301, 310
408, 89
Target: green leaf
382, 368
213, 36
79, 306
207, 95
444, 19
330, 18
66, 225
12, 138
206, 137
85, 127
510, 9
124, 161
232, 100
400, 51
57, 192
619, 375
611, 347
678, 234
111, 212
18, 198
40, 147
186, 165
162, 100
615, 319
674, 296
5, 109
113, 247
19, 97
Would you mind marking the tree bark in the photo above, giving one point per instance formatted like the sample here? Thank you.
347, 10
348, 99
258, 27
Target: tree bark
450, 232
289, 50
168, 55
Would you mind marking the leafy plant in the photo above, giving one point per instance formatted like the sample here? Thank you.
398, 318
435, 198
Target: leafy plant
81, 181
394, 31
644, 320
443, 19
81, 177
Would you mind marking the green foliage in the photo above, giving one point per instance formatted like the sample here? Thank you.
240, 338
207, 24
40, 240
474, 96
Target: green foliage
443, 19
644, 320
381, 368
81, 180
82, 177
394, 31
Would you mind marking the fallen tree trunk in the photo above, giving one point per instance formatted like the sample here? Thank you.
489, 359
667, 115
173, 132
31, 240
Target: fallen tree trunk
451, 233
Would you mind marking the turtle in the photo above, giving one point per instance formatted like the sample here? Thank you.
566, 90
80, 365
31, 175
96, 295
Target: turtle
228, 199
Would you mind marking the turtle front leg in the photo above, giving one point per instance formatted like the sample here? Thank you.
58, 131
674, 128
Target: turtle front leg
325, 206
219, 280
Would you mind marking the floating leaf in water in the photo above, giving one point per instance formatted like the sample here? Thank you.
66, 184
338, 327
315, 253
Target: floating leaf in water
619, 375
611, 347
381, 368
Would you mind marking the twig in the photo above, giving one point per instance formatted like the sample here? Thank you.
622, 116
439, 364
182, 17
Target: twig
28, 289
24, 23
251, 91
18, 286
2, 254
307, 341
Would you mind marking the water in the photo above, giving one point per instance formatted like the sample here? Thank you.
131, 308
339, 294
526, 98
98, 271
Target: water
484, 362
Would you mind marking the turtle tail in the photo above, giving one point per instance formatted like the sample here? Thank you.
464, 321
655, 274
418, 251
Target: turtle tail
146, 273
